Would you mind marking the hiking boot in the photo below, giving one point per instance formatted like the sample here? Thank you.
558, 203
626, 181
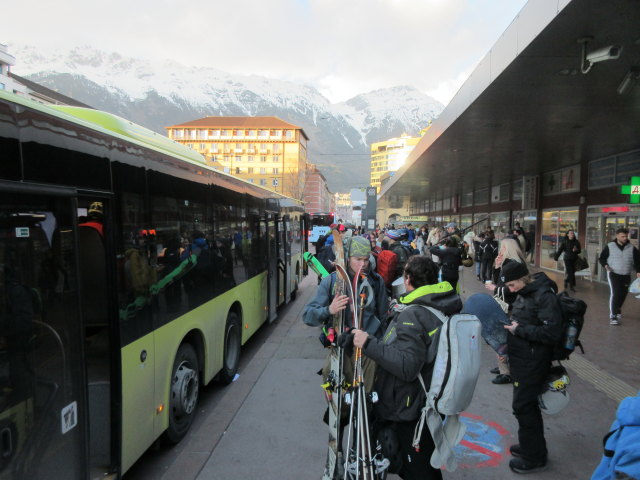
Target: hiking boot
502, 379
495, 371
518, 465
515, 450
614, 321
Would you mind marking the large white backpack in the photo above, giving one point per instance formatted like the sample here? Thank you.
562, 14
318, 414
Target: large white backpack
455, 374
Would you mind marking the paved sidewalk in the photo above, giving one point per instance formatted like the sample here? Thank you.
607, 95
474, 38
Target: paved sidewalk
277, 431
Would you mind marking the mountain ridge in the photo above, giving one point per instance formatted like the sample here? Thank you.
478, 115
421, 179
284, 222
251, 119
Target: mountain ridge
157, 94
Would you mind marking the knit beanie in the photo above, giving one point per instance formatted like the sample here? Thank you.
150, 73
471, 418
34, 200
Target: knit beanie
513, 270
358, 247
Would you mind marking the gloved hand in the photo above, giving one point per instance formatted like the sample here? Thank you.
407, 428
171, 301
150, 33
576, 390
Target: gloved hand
346, 341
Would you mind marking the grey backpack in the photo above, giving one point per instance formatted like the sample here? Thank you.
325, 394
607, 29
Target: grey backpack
455, 374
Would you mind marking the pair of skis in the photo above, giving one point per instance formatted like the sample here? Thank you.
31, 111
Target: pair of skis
361, 462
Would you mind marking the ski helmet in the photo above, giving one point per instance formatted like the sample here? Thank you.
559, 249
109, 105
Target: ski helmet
555, 396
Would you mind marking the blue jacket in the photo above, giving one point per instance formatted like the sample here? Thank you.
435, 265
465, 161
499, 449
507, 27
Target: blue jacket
621, 457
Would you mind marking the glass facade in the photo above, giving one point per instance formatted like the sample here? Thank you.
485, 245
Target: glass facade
555, 223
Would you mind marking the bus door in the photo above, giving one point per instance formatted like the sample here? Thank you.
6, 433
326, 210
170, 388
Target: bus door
97, 306
272, 266
284, 258
43, 408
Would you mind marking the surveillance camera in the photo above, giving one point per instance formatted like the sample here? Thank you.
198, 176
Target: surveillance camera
611, 52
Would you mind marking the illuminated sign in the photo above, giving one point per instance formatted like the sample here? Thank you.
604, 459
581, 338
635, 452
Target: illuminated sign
614, 209
632, 190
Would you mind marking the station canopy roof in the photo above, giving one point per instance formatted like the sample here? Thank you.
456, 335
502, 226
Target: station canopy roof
527, 108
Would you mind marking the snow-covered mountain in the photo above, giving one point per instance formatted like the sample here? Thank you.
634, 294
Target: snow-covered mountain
159, 94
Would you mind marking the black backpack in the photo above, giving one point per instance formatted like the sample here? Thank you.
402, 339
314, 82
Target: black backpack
573, 310
403, 252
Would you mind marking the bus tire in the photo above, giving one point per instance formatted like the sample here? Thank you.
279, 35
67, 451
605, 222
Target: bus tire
183, 394
232, 345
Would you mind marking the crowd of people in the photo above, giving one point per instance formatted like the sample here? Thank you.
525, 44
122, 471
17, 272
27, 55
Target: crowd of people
521, 319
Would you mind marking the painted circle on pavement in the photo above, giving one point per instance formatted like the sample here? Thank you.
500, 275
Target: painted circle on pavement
484, 443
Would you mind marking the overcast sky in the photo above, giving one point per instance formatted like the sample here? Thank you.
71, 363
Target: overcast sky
342, 47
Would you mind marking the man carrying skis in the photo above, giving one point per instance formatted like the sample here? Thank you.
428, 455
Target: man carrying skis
326, 303
402, 354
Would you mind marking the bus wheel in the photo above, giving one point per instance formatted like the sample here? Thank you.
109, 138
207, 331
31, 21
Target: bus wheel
183, 396
232, 345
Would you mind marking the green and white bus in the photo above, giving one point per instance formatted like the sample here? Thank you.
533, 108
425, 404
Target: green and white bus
131, 273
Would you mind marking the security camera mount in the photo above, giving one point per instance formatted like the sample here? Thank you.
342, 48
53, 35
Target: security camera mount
583, 57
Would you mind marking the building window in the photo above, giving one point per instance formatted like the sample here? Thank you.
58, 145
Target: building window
517, 190
288, 134
263, 148
238, 133
263, 158
274, 182
250, 180
214, 158
238, 147
251, 148
615, 170
263, 133
250, 170
238, 171
276, 148
250, 158
274, 170
215, 133
226, 170
500, 193
263, 170
276, 158
238, 158
466, 201
252, 133
190, 145
263, 182
203, 146
214, 148
480, 198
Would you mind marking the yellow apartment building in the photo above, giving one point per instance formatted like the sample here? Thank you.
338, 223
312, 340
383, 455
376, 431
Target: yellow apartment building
266, 151
390, 155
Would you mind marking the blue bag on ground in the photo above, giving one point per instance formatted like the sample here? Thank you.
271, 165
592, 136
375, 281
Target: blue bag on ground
621, 457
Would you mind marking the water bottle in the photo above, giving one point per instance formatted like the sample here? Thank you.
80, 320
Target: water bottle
572, 331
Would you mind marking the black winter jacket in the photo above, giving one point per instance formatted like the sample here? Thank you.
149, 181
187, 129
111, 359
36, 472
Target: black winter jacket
537, 311
489, 249
567, 245
401, 354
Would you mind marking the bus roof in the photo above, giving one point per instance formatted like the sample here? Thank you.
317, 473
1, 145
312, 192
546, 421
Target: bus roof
116, 126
